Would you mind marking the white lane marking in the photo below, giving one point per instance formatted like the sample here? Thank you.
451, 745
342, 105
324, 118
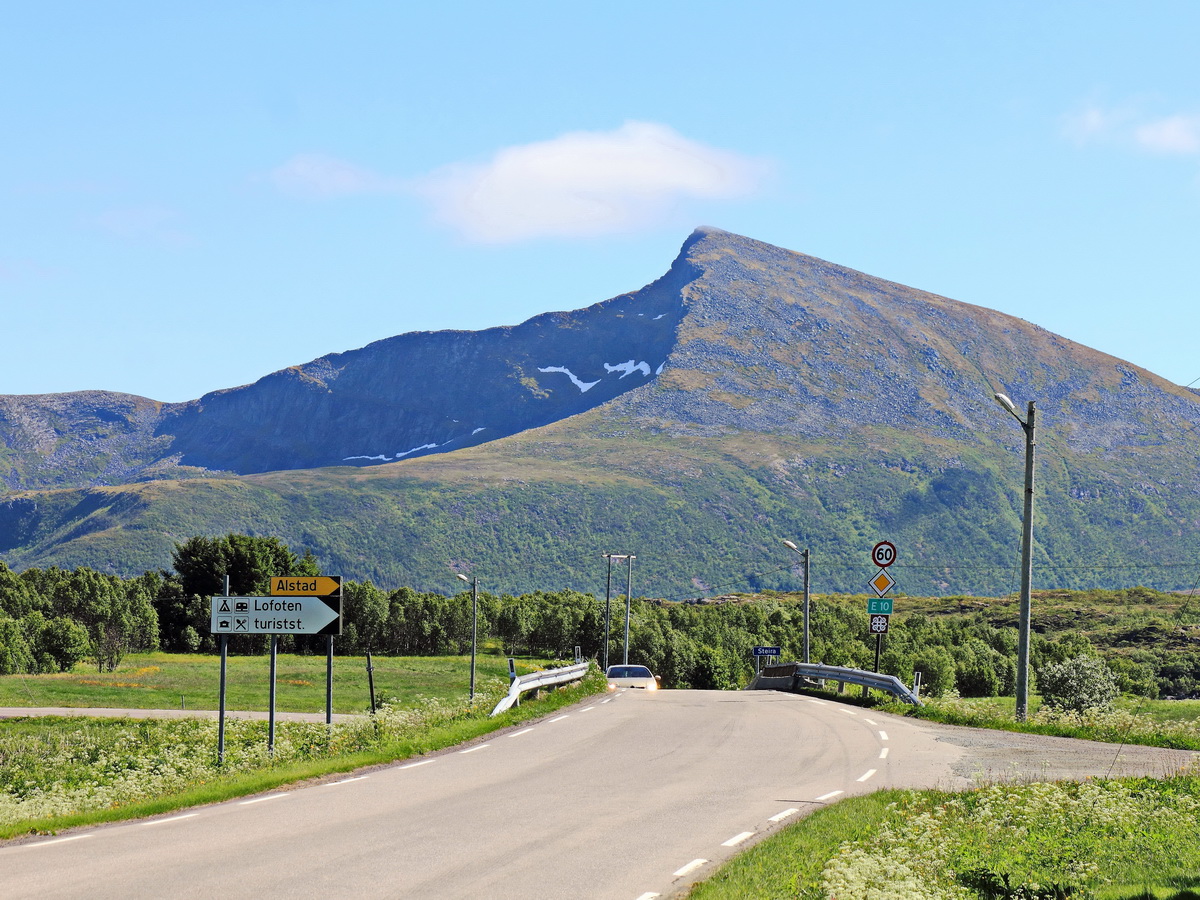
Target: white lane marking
649, 895
609, 700
828, 796
883, 753
172, 819
73, 837
346, 780
870, 721
818, 702
867, 774
423, 762
587, 709
261, 799
521, 732
476, 747
737, 839
690, 867
779, 817
557, 719
848, 712
883, 735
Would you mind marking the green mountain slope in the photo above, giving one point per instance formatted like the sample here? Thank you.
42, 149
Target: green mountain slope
796, 399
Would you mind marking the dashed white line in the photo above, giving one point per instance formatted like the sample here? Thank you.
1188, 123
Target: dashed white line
521, 732
848, 712
423, 762
690, 867
558, 718
587, 709
870, 721
883, 753
72, 837
828, 796
779, 817
737, 839
607, 700
346, 780
649, 895
171, 819
883, 735
261, 799
867, 774
476, 747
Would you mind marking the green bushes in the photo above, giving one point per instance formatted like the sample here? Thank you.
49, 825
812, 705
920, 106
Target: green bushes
1078, 685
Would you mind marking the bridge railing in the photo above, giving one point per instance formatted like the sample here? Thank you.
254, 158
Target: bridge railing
536, 680
792, 677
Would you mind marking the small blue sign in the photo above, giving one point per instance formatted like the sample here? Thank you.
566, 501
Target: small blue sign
766, 651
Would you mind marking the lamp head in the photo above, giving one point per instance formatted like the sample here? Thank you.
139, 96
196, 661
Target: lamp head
791, 544
462, 577
1003, 400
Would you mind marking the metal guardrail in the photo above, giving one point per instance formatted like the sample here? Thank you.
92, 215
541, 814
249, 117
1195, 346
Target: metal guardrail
788, 677
537, 680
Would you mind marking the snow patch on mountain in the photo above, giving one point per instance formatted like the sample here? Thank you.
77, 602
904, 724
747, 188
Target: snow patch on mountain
584, 386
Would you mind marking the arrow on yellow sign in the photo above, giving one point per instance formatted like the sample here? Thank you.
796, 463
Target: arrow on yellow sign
306, 586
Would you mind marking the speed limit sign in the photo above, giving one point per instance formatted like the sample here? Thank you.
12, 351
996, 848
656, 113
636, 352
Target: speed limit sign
883, 554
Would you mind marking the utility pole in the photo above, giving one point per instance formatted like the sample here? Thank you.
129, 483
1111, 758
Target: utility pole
1029, 425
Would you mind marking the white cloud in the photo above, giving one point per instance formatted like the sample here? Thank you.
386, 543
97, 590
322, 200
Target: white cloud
586, 183
324, 177
1174, 134
1178, 134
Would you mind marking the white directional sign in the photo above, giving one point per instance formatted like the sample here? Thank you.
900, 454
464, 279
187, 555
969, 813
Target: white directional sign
276, 615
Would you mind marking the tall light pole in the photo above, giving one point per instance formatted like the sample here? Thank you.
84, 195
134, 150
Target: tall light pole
628, 601
1029, 424
608, 606
804, 553
474, 582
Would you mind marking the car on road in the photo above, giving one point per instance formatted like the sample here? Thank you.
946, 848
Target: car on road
632, 677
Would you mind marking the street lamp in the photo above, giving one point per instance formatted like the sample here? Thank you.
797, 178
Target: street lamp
608, 604
804, 553
1029, 424
474, 582
628, 602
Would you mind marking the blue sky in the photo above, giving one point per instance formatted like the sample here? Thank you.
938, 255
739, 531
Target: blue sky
192, 196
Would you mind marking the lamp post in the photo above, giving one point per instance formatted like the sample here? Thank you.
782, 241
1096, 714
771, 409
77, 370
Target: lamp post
628, 602
474, 582
1029, 424
804, 553
608, 606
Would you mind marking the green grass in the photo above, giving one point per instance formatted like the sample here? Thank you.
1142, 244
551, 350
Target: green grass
1116, 840
789, 865
172, 680
58, 773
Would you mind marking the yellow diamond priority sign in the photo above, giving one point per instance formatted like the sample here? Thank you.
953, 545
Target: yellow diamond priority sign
883, 582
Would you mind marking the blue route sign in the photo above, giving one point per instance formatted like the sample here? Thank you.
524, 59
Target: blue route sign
766, 651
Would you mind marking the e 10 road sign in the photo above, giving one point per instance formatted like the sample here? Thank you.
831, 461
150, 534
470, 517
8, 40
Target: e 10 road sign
276, 615
880, 607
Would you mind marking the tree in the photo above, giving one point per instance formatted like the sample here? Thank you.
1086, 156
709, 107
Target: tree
1079, 684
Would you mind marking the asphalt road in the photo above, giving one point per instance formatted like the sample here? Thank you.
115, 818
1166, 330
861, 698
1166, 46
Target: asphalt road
630, 796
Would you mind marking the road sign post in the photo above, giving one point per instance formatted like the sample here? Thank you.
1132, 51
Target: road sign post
883, 554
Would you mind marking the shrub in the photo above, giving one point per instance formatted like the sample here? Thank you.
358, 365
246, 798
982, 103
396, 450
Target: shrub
1078, 684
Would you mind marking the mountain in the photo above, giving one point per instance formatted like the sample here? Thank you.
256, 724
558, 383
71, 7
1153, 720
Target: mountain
750, 394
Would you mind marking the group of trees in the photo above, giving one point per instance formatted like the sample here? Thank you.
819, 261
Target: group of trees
51, 619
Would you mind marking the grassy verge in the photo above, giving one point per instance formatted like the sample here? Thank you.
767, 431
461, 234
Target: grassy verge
63, 773
1114, 839
172, 680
